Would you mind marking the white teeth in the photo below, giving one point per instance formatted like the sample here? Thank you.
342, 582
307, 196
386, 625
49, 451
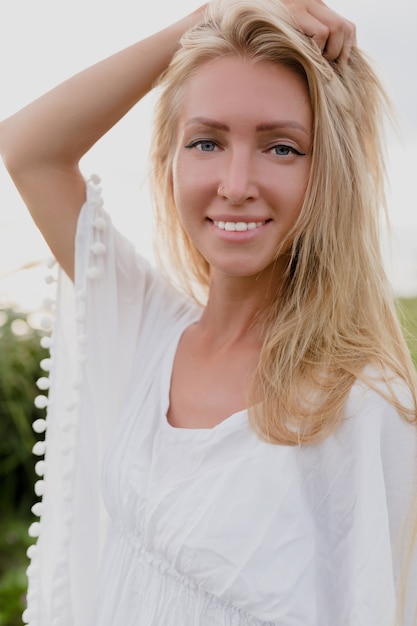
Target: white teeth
238, 226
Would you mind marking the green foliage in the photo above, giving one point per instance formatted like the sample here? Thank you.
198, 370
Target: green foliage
19, 369
20, 355
407, 310
14, 541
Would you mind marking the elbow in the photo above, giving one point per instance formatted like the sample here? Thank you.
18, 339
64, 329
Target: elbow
8, 150
3, 147
16, 149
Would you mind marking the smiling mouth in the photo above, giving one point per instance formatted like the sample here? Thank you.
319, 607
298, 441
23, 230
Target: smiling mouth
240, 227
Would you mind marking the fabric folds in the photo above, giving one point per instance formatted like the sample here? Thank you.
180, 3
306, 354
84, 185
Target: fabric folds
144, 524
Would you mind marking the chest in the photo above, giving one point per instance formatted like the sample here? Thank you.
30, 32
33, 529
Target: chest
206, 388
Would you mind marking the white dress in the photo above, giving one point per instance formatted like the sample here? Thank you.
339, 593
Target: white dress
144, 524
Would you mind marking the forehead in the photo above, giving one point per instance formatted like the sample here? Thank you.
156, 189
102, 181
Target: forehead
230, 88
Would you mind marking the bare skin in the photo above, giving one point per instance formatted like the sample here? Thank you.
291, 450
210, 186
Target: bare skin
78, 112
42, 146
215, 359
236, 172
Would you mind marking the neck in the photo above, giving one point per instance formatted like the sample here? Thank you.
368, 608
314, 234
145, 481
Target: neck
234, 305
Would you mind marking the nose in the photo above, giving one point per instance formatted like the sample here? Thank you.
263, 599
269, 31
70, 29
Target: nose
238, 183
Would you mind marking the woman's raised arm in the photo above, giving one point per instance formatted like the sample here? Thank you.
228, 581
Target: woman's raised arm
42, 144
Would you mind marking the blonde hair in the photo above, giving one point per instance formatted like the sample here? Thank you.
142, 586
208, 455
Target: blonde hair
335, 312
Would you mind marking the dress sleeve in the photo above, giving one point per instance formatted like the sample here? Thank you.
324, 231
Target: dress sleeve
384, 561
118, 310
361, 485
399, 462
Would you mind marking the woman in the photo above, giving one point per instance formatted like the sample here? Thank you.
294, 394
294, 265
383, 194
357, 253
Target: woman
267, 176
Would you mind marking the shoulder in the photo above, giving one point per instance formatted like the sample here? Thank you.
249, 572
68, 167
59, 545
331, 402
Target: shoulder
377, 410
378, 392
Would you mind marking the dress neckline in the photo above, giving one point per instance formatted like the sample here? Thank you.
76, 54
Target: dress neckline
233, 421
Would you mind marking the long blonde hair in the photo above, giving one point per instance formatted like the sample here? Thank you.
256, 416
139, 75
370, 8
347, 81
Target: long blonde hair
335, 312
334, 315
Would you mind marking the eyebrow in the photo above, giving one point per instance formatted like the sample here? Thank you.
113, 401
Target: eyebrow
268, 126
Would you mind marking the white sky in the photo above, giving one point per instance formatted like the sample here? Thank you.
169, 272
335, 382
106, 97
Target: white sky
44, 42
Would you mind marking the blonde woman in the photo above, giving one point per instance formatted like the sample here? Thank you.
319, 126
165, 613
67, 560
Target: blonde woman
239, 449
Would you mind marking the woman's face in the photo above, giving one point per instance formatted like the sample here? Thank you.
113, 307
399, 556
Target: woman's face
242, 161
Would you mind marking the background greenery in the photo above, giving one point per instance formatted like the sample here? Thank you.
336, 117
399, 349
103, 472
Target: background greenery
20, 355
407, 309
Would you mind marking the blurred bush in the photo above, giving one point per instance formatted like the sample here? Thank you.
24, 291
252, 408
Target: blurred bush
20, 355
407, 310
14, 541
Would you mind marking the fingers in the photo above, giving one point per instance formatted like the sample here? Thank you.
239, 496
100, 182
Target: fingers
334, 35
335, 41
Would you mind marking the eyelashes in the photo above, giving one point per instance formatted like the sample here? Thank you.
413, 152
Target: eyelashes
280, 149
203, 145
285, 150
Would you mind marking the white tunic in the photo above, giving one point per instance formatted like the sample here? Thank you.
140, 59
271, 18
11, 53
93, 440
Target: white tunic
145, 524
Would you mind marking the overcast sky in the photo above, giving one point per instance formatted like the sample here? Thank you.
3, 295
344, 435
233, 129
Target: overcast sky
43, 42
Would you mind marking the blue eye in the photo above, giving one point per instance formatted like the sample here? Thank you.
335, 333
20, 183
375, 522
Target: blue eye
204, 145
283, 150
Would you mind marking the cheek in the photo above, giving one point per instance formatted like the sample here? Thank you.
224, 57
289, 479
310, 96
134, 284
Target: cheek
184, 194
300, 195
181, 179
297, 185
288, 190
191, 186
180, 192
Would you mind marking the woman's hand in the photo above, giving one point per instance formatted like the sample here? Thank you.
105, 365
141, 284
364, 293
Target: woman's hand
333, 34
